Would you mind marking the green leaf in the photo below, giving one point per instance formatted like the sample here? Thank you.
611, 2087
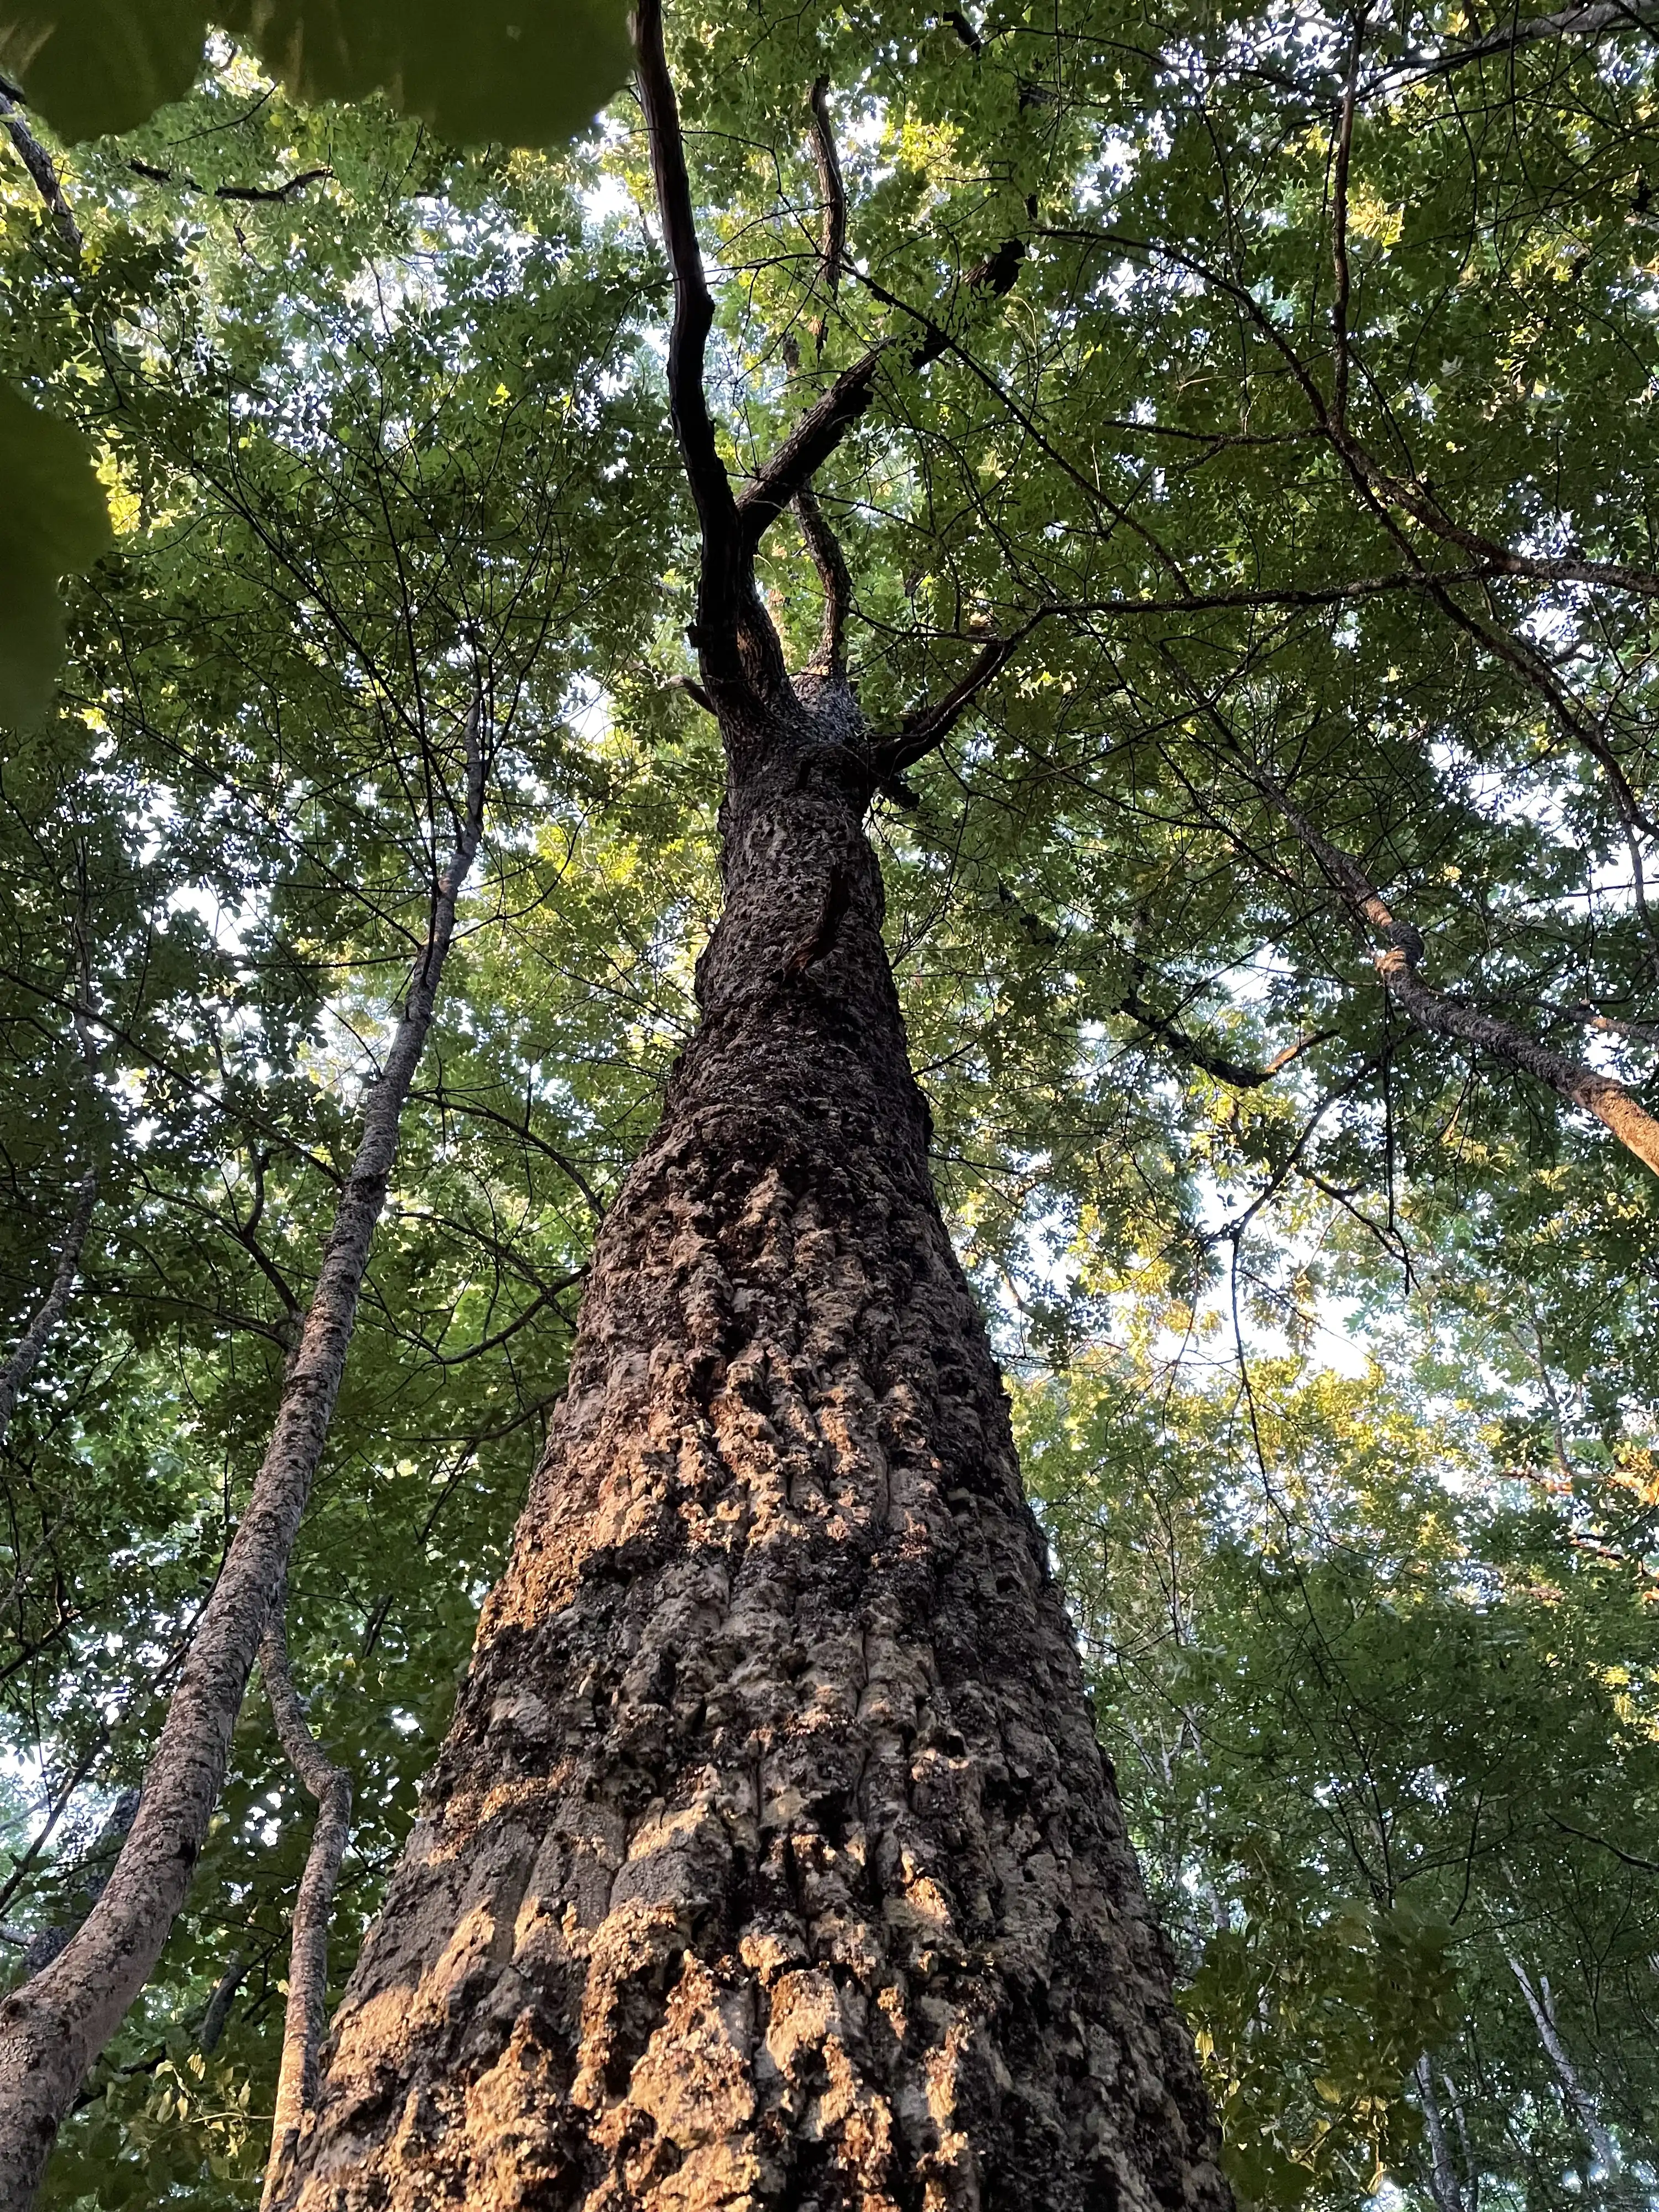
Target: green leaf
55, 520
526, 71
96, 66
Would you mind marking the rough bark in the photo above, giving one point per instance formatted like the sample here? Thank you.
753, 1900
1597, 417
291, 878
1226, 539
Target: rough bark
306, 2018
771, 1859
44, 170
54, 2026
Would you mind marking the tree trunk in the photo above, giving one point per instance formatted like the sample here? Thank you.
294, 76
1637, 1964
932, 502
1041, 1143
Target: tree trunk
1444, 2185
1578, 2099
771, 1859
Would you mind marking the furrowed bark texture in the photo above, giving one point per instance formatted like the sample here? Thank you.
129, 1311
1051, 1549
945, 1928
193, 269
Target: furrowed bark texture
54, 2026
771, 1861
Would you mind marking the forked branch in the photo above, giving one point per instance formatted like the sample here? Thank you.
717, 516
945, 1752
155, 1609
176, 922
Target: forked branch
821, 429
720, 578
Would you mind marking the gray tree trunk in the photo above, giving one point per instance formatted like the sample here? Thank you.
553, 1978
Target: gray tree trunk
1443, 2184
1579, 2102
307, 2015
771, 1859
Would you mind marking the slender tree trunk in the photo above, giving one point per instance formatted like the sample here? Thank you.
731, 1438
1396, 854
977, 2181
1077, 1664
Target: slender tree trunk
1579, 2101
306, 2016
26, 1356
1471, 2169
1442, 2171
771, 1861
54, 2026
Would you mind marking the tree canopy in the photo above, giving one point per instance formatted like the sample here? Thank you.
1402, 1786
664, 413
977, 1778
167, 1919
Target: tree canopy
1252, 434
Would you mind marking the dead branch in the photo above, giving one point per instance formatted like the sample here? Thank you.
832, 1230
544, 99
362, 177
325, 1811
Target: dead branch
18, 1369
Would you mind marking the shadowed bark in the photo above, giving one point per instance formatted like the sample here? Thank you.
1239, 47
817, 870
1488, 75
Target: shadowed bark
771, 1859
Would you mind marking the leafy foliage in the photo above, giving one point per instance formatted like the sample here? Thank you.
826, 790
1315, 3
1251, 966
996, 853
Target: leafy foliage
56, 521
526, 74
1330, 1344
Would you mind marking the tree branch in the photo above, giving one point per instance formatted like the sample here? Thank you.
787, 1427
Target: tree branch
832, 190
1442, 1015
829, 658
732, 632
822, 428
280, 194
1582, 21
41, 167
922, 731
1340, 359
1614, 1024
1204, 1057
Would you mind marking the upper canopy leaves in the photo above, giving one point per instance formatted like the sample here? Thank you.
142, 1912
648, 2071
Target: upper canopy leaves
528, 71
55, 520
527, 74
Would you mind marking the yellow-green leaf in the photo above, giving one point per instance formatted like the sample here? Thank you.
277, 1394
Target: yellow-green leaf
55, 519
525, 71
